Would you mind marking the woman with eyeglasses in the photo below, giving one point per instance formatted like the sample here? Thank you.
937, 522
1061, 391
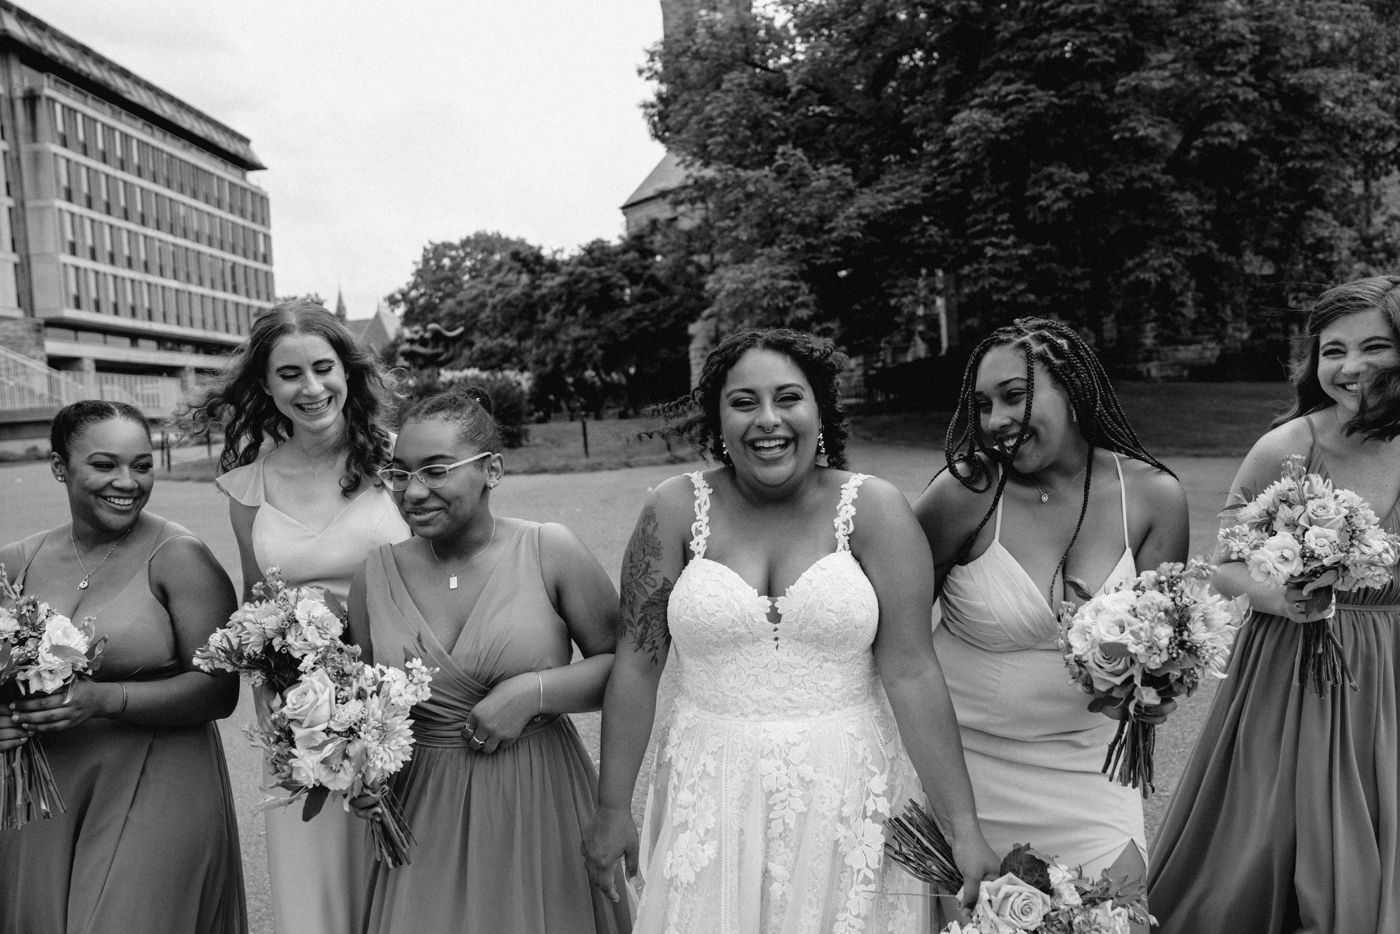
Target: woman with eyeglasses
500, 787
300, 406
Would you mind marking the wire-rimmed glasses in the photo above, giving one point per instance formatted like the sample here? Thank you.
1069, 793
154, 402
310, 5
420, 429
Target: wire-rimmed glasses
433, 476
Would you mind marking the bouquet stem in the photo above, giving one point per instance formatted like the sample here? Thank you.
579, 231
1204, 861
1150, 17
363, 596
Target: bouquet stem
916, 842
27, 789
1129, 759
1321, 662
392, 835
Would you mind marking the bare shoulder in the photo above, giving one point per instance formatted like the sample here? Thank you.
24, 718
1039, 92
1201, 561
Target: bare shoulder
1292, 437
1156, 488
672, 503
877, 498
558, 541
956, 494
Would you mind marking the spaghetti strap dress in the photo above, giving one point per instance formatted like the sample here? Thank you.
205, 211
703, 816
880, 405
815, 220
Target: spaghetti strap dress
318, 869
781, 759
1034, 750
1285, 819
499, 836
149, 840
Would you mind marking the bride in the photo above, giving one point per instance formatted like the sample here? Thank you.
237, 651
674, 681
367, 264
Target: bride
781, 758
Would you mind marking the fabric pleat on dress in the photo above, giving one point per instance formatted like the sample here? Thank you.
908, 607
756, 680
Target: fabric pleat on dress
499, 836
1285, 819
149, 840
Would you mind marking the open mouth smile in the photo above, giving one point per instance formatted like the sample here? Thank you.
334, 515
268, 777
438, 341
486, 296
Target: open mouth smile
770, 445
119, 502
315, 408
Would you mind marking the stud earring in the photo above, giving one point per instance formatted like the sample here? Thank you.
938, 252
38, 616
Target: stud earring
62, 478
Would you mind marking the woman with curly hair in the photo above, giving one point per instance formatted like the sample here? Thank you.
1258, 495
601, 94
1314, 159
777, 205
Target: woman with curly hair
1287, 817
1047, 497
300, 406
800, 628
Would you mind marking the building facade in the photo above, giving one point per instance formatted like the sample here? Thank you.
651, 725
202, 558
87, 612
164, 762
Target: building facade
132, 242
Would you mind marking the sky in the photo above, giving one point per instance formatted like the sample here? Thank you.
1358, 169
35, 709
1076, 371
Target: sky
389, 125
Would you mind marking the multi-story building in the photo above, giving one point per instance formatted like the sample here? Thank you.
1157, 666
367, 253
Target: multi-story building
132, 243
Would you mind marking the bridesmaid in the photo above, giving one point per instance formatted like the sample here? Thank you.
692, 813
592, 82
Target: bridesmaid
500, 786
148, 841
1048, 497
299, 405
1286, 818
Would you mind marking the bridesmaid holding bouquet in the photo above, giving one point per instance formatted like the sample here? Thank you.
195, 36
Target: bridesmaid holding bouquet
300, 406
1287, 816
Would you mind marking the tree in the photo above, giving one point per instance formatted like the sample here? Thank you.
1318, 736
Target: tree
1133, 166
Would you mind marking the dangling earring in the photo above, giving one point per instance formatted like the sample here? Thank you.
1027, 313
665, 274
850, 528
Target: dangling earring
1073, 415
821, 444
724, 448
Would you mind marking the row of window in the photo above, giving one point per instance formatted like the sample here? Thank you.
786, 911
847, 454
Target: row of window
125, 297
77, 131
124, 340
92, 188
118, 246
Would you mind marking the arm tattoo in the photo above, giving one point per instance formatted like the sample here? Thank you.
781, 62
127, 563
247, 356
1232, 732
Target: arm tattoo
645, 591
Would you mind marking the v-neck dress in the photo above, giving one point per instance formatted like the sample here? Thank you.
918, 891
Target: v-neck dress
781, 759
1287, 816
318, 869
499, 835
1033, 748
149, 839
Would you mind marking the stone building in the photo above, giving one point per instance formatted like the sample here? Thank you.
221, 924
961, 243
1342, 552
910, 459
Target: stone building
134, 249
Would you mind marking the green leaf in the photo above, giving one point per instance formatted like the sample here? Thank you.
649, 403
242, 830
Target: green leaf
1022, 863
315, 800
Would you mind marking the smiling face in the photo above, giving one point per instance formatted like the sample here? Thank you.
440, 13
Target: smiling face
109, 474
306, 380
1000, 394
769, 417
1350, 349
447, 511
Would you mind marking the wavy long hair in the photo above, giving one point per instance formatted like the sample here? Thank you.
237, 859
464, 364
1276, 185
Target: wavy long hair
1379, 417
820, 362
1075, 367
237, 400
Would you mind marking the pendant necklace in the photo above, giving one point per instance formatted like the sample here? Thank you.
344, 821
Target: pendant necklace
1045, 497
87, 575
452, 575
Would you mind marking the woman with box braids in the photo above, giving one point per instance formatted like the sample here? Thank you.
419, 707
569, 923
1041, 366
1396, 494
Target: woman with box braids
1038, 418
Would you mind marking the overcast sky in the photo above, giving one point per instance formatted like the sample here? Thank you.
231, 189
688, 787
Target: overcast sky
386, 125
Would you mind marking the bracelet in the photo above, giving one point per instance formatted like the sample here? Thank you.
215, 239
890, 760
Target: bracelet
122, 709
541, 677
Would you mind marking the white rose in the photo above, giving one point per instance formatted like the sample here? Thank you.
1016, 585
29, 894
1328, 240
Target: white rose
1279, 559
1016, 905
311, 703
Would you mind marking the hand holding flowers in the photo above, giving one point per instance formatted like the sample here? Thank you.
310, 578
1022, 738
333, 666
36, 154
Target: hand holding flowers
1033, 893
42, 652
1136, 648
333, 724
1312, 539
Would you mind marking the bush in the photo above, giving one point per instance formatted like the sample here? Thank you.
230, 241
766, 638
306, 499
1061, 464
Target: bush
930, 384
509, 391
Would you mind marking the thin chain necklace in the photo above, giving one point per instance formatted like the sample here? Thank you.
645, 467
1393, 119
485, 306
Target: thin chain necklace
1045, 497
87, 575
452, 576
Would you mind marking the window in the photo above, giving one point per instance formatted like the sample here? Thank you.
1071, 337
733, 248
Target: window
65, 180
85, 184
70, 233
60, 130
109, 243
123, 205
70, 282
100, 138
119, 148
127, 260
146, 301
129, 293
142, 199
93, 293
104, 191
90, 237
80, 124
141, 249
137, 147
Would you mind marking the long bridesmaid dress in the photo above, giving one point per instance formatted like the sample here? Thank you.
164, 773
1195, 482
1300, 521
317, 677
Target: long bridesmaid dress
319, 868
1034, 750
1286, 817
149, 840
499, 836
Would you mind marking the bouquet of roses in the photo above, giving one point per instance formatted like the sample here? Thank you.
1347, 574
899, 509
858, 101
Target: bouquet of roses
336, 725
1302, 532
1136, 647
1034, 893
41, 652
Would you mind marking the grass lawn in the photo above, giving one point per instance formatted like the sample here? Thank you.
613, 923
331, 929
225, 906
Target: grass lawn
1171, 419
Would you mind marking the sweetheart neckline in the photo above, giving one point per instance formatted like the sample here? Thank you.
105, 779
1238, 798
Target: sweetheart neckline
787, 593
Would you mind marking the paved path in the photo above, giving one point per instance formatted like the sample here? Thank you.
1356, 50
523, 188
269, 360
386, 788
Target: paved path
600, 508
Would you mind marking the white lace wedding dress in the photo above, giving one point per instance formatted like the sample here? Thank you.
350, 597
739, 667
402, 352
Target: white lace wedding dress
781, 758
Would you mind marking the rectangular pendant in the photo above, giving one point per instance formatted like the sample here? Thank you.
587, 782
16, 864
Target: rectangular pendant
452, 582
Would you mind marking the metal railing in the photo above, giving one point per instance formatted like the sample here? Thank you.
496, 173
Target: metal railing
29, 384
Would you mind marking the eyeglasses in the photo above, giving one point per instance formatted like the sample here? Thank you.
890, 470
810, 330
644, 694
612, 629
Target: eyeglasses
434, 476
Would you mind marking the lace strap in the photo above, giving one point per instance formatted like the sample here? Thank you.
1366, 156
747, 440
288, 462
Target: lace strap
700, 528
845, 521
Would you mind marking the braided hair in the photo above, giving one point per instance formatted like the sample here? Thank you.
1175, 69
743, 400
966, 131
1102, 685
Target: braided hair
1078, 371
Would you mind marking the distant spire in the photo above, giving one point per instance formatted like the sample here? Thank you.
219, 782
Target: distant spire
339, 304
